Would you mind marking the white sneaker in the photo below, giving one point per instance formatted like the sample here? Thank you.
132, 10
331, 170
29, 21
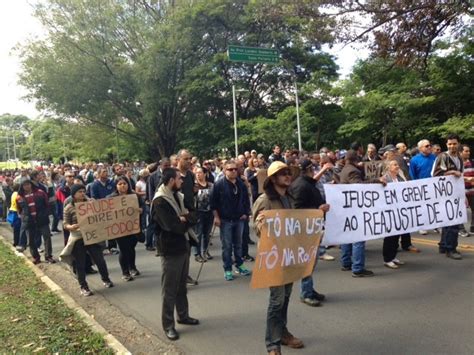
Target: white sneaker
423, 232
327, 257
463, 234
398, 262
391, 265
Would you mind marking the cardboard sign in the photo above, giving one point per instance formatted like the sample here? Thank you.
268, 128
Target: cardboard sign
261, 176
108, 218
373, 169
362, 212
288, 246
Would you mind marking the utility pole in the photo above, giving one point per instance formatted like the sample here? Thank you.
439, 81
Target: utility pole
235, 122
298, 117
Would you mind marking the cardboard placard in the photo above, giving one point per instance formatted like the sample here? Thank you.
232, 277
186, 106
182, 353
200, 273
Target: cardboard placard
108, 218
288, 246
261, 176
373, 169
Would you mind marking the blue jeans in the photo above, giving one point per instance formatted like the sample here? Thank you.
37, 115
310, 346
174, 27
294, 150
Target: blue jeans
353, 254
19, 236
449, 238
307, 283
231, 239
277, 316
203, 230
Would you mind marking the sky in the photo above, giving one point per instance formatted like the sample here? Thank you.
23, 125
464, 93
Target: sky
17, 24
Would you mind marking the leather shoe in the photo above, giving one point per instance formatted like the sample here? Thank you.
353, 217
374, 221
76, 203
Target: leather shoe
189, 321
172, 334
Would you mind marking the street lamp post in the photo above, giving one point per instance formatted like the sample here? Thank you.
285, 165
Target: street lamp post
298, 117
235, 122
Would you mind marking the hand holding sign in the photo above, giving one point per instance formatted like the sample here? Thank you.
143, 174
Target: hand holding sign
108, 218
288, 246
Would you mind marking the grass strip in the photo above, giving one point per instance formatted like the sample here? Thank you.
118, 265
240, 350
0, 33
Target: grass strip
35, 320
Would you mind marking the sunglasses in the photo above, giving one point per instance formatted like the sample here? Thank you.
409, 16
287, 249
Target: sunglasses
231, 169
284, 173
428, 146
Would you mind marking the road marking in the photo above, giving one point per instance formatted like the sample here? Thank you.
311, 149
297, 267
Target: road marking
463, 247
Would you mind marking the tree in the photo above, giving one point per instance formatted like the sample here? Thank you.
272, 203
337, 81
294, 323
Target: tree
161, 68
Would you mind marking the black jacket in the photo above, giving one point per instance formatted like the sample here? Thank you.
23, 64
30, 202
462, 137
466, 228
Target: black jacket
305, 193
170, 231
154, 181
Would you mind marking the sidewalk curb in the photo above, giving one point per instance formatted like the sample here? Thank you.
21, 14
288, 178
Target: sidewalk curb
462, 247
111, 341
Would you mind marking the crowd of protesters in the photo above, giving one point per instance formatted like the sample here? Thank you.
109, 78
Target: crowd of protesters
183, 198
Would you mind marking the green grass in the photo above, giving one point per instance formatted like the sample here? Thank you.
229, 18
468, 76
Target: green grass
34, 320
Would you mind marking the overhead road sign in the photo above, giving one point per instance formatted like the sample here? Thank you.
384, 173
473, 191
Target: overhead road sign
253, 55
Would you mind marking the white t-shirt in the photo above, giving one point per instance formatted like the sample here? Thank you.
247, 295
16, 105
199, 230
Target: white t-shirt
141, 186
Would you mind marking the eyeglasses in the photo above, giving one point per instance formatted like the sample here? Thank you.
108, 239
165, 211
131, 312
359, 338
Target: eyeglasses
231, 169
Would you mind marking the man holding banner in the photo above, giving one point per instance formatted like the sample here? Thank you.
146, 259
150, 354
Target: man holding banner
353, 255
306, 195
449, 163
276, 197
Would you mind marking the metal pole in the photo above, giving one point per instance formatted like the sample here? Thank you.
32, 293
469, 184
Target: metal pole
300, 148
14, 151
235, 122
117, 140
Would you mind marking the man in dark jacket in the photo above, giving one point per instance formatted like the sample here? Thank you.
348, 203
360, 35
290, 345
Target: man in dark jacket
276, 155
306, 195
231, 205
153, 183
173, 222
353, 255
449, 163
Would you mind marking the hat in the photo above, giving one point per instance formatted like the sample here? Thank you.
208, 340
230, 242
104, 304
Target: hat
253, 151
75, 188
389, 148
342, 153
260, 155
275, 167
305, 164
144, 173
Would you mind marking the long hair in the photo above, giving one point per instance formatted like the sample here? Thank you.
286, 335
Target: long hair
123, 178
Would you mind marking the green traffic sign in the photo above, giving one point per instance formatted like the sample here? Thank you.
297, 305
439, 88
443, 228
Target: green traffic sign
253, 55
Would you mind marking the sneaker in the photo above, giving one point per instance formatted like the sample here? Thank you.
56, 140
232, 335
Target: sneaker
228, 276
391, 265
423, 232
313, 302
134, 272
36, 261
346, 268
199, 259
327, 257
248, 258
251, 242
108, 284
150, 248
242, 270
363, 273
127, 277
208, 256
50, 260
319, 296
114, 251
91, 271
436, 230
454, 255
86, 292
20, 249
463, 234
398, 262
40, 250
190, 281
291, 341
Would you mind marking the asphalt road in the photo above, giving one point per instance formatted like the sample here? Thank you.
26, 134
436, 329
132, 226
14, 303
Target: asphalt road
425, 307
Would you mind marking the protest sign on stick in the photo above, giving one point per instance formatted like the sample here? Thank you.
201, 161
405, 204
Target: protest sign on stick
261, 176
373, 169
108, 218
362, 212
288, 246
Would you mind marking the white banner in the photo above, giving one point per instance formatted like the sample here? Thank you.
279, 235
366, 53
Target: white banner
370, 211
